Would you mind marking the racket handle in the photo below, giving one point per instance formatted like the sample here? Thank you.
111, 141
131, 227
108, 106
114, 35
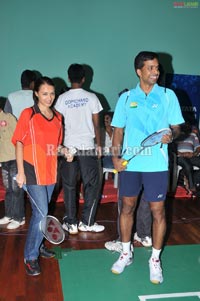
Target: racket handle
124, 164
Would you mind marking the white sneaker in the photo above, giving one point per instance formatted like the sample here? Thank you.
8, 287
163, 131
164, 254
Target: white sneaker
5, 220
115, 246
156, 276
146, 242
71, 228
124, 260
94, 228
15, 224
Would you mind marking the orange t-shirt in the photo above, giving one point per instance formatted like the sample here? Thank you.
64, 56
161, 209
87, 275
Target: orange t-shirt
40, 138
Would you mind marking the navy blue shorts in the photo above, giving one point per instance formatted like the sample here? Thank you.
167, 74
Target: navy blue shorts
155, 184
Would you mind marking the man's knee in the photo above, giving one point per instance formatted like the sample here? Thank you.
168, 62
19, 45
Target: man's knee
158, 210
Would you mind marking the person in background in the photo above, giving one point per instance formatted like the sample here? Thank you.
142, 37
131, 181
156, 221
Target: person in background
143, 223
142, 227
21, 99
188, 150
139, 113
37, 139
80, 109
15, 103
14, 197
106, 141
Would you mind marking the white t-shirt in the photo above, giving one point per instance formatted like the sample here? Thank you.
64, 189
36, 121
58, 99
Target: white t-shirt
18, 101
77, 106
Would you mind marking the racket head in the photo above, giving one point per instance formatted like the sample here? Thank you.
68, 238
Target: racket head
155, 138
52, 229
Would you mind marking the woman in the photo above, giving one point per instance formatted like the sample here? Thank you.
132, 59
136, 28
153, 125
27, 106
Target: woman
37, 139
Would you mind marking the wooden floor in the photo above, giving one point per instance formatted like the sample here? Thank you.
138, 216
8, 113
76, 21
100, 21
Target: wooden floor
183, 220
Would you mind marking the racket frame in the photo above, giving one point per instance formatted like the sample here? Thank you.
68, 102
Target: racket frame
164, 131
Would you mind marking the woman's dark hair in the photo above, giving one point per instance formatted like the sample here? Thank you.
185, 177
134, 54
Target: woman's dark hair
39, 82
142, 57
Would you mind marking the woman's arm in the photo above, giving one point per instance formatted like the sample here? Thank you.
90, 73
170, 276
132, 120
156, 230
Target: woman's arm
19, 151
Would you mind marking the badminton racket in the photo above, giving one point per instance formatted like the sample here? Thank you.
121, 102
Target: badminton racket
50, 226
149, 141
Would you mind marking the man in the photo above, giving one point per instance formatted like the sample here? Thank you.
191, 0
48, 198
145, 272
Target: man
81, 118
188, 151
21, 99
139, 113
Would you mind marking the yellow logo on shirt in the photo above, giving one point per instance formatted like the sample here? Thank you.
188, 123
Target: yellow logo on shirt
133, 104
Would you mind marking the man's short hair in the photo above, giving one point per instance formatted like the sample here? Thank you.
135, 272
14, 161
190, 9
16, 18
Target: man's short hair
76, 73
142, 57
27, 77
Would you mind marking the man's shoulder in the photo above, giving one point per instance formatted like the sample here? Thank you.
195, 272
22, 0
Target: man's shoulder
5, 115
11, 94
73, 94
19, 94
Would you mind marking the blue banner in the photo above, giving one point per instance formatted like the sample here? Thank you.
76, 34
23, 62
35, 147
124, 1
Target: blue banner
187, 89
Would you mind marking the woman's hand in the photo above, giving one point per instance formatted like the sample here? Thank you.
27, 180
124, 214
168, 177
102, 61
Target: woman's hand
20, 179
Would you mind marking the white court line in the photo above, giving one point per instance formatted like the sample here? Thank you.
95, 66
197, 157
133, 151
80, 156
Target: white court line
176, 295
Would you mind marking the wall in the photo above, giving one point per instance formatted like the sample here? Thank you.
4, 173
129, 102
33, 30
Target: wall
105, 35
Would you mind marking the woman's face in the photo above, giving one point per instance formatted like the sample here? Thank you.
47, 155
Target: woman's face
46, 95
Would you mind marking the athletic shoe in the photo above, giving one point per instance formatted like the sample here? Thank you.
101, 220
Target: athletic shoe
5, 220
115, 246
94, 228
46, 253
146, 241
156, 276
71, 228
124, 260
15, 224
32, 267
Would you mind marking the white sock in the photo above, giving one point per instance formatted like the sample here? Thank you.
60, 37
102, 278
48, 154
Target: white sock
126, 247
155, 253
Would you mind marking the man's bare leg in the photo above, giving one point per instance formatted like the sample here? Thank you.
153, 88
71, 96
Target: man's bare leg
159, 230
126, 224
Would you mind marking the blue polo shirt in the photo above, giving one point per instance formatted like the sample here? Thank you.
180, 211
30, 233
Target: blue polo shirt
141, 115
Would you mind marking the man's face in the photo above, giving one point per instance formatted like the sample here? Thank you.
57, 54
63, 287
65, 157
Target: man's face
107, 120
149, 73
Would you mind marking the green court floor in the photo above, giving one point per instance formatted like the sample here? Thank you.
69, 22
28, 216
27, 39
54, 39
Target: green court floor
86, 276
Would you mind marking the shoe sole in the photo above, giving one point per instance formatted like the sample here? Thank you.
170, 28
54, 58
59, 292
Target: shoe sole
36, 274
117, 273
113, 250
73, 233
47, 257
146, 246
91, 231
156, 281
116, 250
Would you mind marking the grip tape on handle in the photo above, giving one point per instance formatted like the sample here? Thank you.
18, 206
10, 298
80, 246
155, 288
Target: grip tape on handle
124, 164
